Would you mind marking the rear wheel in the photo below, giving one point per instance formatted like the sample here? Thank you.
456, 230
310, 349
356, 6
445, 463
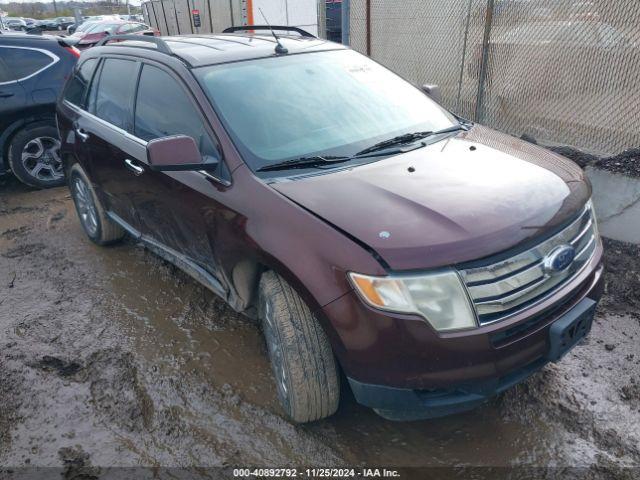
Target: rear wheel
34, 156
301, 358
98, 227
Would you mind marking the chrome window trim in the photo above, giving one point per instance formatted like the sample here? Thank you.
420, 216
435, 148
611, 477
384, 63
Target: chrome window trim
140, 141
55, 59
105, 123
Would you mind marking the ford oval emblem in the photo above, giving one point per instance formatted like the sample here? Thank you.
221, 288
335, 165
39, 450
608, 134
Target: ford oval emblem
559, 259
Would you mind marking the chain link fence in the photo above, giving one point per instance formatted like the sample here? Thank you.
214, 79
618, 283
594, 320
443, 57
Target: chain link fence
562, 71
173, 17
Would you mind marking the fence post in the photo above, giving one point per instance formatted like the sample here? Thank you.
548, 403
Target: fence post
346, 21
464, 57
368, 18
488, 23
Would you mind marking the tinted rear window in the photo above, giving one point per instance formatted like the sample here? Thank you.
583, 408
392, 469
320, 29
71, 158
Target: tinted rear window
77, 87
115, 91
24, 62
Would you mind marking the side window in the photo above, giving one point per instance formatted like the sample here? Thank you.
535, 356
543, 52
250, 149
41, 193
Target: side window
77, 87
24, 61
126, 28
114, 92
139, 27
170, 113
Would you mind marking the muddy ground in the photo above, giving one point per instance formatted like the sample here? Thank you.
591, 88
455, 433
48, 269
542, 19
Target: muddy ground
110, 356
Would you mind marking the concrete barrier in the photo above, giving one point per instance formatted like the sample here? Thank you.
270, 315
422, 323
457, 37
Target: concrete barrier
616, 199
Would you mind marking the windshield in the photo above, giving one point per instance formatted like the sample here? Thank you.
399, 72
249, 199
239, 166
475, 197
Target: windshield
327, 103
85, 26
103, 27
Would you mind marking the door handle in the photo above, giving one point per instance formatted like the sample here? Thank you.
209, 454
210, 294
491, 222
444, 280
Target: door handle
137, 170
6, 94
84, 136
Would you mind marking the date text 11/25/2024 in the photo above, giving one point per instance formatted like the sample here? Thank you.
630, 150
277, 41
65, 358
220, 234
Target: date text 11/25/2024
316, 472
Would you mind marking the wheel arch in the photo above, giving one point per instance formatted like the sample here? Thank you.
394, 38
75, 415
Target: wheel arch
245, 280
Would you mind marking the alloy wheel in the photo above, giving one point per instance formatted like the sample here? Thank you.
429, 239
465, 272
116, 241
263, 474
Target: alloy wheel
86, 206
41, 159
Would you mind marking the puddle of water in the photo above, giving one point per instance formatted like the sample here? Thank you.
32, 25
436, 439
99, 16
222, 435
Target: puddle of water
177, 325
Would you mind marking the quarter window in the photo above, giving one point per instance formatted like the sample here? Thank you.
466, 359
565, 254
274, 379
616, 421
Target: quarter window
163, 108
24, 62
114, 92
77, 87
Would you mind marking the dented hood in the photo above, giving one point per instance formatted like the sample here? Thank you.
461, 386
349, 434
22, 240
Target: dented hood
460, 199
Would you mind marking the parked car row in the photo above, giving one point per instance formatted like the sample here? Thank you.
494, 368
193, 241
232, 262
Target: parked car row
91, 32
25, 24
95, 18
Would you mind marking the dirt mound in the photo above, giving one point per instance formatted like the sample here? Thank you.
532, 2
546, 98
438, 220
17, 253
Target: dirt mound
622, 277
117, 391
625, 163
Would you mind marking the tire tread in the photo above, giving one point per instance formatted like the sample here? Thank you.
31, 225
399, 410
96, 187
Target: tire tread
309, 362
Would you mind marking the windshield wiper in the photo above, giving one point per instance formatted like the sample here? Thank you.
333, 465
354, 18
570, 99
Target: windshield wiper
410, 138
324, 160
304, 162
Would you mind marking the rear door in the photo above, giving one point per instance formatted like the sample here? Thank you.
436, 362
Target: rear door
105, 128
71, 108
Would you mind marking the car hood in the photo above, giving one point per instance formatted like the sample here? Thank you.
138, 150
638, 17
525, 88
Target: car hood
460, 199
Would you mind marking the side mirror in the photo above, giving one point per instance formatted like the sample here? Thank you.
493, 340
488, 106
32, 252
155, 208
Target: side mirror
433, 91
174, 154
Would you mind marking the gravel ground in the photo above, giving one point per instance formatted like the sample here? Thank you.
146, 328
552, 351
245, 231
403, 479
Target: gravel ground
112, 357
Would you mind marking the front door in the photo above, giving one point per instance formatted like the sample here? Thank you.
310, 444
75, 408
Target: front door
176, 209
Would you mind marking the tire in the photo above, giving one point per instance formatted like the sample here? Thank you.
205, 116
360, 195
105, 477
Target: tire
301, 358
99, 228
34, 156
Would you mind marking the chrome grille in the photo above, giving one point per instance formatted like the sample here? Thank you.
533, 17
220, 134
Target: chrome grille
505, 287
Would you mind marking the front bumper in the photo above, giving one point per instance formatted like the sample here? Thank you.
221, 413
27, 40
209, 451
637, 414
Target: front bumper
408, 404
404, 369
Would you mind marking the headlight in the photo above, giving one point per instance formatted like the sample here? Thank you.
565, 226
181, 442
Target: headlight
439, 297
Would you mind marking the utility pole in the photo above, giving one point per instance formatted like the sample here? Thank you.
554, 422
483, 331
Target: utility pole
55, 8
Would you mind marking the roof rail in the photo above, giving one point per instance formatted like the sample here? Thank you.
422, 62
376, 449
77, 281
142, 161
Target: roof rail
160, 43
245, 28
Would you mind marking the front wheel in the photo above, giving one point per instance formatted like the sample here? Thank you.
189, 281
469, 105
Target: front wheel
301, 358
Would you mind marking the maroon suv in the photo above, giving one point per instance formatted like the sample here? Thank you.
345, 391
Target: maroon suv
433, 261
